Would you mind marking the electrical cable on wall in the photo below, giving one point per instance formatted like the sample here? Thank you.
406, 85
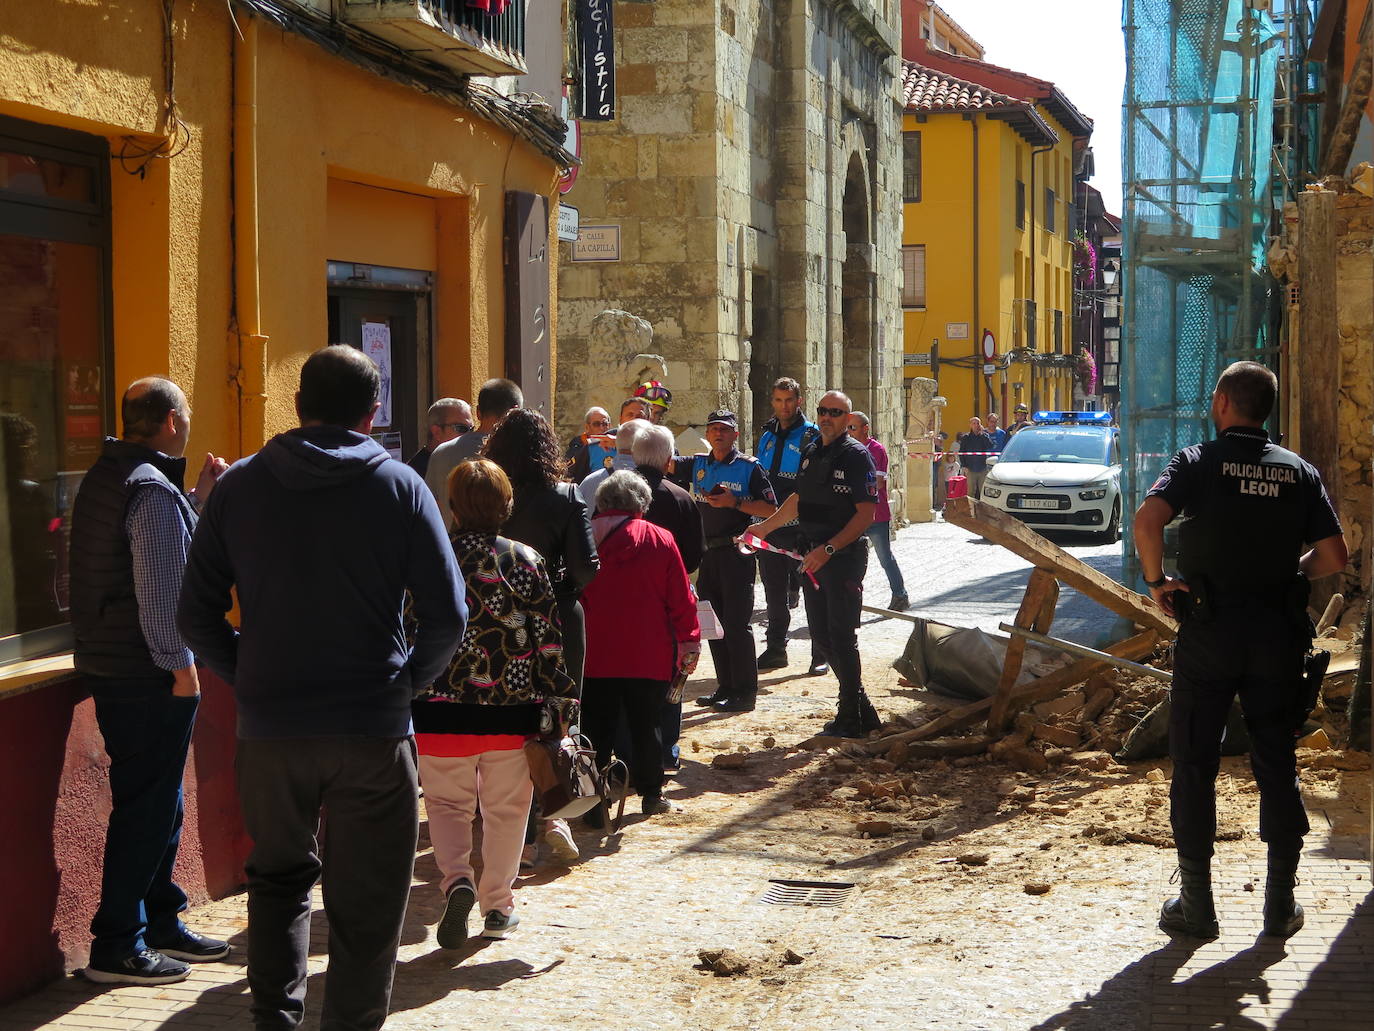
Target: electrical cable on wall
134, 154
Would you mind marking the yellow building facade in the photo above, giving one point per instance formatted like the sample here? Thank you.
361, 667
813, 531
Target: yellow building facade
987, 247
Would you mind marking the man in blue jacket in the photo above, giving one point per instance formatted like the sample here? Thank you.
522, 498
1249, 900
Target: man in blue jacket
321, 534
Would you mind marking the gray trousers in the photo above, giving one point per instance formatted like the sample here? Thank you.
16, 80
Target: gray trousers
367, 788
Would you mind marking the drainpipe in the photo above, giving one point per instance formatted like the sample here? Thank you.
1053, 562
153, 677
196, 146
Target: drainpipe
975, 327
1035, 261
251, 377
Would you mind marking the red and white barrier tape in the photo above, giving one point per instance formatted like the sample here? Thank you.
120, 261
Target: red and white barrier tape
752, 543
956, 454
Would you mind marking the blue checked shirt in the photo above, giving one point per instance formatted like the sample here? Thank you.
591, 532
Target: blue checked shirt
159, 538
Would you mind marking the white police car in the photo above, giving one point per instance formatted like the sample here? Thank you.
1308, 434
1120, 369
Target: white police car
1061, 472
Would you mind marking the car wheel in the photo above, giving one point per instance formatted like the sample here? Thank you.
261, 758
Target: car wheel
1112, 533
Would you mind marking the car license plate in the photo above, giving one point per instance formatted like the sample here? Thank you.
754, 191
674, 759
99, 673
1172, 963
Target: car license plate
1040, 503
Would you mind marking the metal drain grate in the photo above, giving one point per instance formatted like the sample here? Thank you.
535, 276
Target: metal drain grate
806, 893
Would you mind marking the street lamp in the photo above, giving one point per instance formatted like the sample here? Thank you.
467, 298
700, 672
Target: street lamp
1109, 275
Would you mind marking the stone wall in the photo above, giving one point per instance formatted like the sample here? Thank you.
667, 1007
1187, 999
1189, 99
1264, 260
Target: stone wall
753, 171
1355, 406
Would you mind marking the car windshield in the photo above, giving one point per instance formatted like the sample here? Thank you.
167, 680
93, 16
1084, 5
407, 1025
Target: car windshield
1058, 444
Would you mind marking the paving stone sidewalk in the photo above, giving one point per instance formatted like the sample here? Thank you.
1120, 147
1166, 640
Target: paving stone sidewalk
614, 941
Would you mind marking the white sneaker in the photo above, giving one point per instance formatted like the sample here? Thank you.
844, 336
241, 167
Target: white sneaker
499, 924
560, 841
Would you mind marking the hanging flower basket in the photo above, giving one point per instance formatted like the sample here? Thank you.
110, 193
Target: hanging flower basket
1086, 371
1084, 261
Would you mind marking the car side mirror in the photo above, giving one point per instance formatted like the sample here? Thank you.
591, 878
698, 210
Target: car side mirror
992, 460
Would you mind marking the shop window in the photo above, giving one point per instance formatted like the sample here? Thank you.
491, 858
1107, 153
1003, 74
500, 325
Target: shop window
914, 276
55, 395
911, 167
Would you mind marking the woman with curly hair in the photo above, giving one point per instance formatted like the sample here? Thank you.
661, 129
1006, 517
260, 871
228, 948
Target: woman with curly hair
549, 516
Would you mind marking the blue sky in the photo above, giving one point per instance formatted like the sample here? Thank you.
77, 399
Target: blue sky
1077, 45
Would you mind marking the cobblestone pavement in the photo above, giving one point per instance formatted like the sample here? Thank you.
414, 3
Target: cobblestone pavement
925, 941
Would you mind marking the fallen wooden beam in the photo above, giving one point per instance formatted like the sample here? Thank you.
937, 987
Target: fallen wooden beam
1012, 534
1084, 652
1037, 691
1036, 613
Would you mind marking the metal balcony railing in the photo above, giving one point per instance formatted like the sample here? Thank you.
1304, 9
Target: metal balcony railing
448, 32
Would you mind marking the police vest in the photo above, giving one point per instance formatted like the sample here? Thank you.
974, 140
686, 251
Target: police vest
781, 454
822, 511
1243, 529
734, 474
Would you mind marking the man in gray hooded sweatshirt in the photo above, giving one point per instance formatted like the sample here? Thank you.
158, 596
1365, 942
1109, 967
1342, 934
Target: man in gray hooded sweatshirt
321, 534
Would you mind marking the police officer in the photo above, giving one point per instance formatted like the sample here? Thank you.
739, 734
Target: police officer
837, 494
1249, 508
784, 438
729, 487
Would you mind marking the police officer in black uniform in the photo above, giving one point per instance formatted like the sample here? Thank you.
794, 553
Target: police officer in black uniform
784, 438
729, 487
837, 494
1249, 509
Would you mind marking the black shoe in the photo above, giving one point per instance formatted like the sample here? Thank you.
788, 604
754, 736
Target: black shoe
655, 805
453, 925
899, 603
191, 947
1192, 913
868, 716
818, 669
711, 699
734, 705
772, 658
145, 967
843, 727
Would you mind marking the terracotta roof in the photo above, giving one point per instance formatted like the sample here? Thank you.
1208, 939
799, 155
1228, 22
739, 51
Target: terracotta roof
924, 89
1024, 87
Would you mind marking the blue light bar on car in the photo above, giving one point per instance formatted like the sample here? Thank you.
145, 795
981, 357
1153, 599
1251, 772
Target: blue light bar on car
1081, 418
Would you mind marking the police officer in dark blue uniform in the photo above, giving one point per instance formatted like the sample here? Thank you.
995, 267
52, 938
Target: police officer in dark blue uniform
1249, 510
784, 438
729, 487
837, 493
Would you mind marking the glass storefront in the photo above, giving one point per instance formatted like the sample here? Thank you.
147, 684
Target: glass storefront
54, 364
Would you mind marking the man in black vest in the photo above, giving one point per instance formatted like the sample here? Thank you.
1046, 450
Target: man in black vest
131, 530
1249, 509
837, 495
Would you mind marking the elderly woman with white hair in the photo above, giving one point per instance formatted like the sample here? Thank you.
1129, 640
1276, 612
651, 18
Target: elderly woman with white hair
641, 628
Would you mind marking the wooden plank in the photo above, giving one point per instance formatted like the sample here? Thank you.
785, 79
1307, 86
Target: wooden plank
1036, 613
1341, 142
1056, 683
1012, 534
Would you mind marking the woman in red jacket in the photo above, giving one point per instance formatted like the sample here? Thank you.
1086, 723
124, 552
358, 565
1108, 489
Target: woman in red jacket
641, 628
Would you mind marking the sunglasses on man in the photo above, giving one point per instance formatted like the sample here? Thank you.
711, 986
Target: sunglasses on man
834, 413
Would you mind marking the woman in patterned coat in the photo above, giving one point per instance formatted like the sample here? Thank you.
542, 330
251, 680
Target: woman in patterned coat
472, 723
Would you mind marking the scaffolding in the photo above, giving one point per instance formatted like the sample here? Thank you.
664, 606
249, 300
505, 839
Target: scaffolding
1204, 175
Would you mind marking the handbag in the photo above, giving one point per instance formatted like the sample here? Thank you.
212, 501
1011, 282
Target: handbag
566, 780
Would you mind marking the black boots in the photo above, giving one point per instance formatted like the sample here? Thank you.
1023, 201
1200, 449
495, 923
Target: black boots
1282, 916
1192, 912
855, 718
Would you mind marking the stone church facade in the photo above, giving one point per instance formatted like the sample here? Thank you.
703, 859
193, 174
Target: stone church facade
754, 175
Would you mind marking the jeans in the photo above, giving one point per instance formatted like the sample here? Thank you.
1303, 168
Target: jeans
603, 700
833, 612
147, 733
726, 580
368, 789
878, 535
1253, 652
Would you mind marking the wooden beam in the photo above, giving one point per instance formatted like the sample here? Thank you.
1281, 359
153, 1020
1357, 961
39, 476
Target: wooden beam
1341, 142
1036, 613
1012, 534
1319, 349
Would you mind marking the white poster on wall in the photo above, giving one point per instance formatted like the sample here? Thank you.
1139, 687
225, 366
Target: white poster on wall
377, 346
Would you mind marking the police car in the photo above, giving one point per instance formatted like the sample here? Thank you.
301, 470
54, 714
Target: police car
1063, 471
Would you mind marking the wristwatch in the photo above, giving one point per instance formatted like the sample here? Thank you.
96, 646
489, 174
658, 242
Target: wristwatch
1156, 583
829, 549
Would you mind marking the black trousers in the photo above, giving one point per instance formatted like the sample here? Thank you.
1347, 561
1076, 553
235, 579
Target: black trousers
1252, 652
603, 701
832, 612
574, 629
726, 580
779, 573
368, 788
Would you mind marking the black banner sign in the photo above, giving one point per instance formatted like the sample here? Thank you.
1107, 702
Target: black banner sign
596, 61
